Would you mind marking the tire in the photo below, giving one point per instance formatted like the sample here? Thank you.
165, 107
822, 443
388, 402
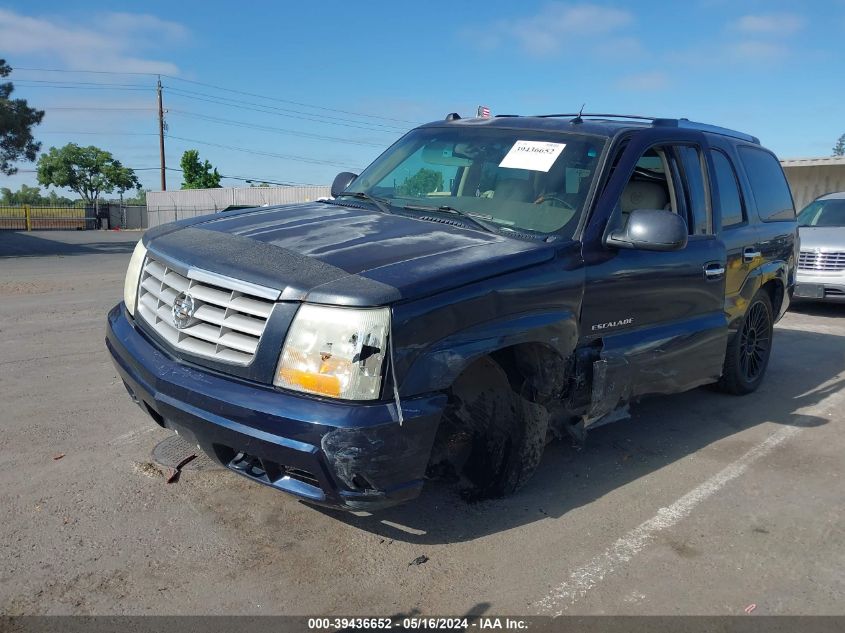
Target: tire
748, 352
503, 434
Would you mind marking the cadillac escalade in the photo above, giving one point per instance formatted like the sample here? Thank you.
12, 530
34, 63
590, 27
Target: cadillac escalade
486, 284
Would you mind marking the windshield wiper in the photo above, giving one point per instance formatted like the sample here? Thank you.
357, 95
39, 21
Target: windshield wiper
474, 218
360, 195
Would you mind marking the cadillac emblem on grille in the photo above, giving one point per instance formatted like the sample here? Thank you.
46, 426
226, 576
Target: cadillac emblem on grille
183, 310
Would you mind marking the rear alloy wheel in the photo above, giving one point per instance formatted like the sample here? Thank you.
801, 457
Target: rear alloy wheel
748, 351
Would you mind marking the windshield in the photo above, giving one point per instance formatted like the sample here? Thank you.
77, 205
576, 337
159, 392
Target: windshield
823, 213
517, 179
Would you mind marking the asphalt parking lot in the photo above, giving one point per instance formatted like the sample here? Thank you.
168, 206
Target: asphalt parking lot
701, 503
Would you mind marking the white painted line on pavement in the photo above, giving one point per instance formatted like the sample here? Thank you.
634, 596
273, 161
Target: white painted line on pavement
623, 550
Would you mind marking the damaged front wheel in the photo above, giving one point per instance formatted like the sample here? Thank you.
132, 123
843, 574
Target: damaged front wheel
490, 435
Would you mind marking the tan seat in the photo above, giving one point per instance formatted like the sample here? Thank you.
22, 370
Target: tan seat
639, 194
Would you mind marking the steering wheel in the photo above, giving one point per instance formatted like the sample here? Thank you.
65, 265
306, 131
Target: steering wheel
554, 200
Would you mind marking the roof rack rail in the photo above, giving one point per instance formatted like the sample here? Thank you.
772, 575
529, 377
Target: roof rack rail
664, 122
603, 116
706, 127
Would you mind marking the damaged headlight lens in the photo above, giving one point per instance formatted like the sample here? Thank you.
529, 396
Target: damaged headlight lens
337, 352
133, 276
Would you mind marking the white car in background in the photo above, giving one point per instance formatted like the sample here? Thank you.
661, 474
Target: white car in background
821, 262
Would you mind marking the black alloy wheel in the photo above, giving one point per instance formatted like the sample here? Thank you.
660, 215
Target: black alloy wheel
755, 342
748, 351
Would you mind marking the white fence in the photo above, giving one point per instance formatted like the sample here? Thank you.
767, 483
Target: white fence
168, 206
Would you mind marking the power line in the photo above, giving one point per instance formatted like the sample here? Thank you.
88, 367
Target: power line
68, 85
101, 133
289, 183
266, 128
319, 118
91, 72
84, 83
218, 100
23, 85
223, 88
264, 110
303, 159
86, 108
297, 103
269, 181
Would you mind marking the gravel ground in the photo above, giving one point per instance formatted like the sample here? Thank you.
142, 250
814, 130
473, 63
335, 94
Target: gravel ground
701, 503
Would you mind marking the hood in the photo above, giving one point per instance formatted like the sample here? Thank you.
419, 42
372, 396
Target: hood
333, 254
826, 238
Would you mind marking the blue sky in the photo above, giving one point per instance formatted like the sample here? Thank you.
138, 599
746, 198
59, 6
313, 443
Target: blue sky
334, 83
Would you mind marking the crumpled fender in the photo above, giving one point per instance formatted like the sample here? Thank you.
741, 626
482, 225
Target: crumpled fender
438, 367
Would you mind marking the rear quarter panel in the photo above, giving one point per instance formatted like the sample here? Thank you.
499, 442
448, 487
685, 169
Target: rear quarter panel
777, 242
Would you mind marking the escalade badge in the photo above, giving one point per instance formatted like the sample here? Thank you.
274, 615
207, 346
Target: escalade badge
612, 324
183, 310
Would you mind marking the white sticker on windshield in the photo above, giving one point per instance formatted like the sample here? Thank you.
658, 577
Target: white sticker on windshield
533, 155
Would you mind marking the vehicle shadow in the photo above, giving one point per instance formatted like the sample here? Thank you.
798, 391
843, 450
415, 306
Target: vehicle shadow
47, 243
662, 430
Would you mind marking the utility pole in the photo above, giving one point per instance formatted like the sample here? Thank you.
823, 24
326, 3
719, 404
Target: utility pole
161, 136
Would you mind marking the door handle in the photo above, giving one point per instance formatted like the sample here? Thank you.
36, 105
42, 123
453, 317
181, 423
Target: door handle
750, 253
713, 271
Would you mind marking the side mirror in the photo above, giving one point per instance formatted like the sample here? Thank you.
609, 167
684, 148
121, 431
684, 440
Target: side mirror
341, 182
651, 230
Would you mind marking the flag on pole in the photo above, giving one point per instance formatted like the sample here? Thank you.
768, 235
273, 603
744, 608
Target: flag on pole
483, 112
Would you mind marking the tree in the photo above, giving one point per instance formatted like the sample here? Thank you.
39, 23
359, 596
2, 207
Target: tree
32, 196
123, 179
196, 174
89, 171
25, 195
839, 148
55, 200
423, 182
139, 200
16, 122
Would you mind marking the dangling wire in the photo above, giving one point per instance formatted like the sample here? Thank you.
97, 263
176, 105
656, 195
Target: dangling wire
393, 370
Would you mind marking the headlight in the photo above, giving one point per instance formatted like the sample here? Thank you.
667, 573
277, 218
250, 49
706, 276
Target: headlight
133, 275
337, 352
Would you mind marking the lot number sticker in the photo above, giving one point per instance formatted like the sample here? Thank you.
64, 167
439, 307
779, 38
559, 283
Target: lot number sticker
533, 155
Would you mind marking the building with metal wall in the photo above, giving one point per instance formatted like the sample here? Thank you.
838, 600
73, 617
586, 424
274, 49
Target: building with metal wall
810, 178
167, 206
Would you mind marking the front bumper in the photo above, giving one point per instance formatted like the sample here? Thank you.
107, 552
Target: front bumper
832, 282
341, 454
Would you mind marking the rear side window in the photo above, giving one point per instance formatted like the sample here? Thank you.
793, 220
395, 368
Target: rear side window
730, 201
768, 184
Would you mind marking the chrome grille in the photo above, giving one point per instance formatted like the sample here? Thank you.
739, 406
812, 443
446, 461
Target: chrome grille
226, 324
824, 261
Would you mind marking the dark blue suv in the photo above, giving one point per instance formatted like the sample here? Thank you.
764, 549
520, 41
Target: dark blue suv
484, 285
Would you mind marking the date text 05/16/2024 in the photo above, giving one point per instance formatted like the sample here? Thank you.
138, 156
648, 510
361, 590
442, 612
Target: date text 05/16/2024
413, 623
